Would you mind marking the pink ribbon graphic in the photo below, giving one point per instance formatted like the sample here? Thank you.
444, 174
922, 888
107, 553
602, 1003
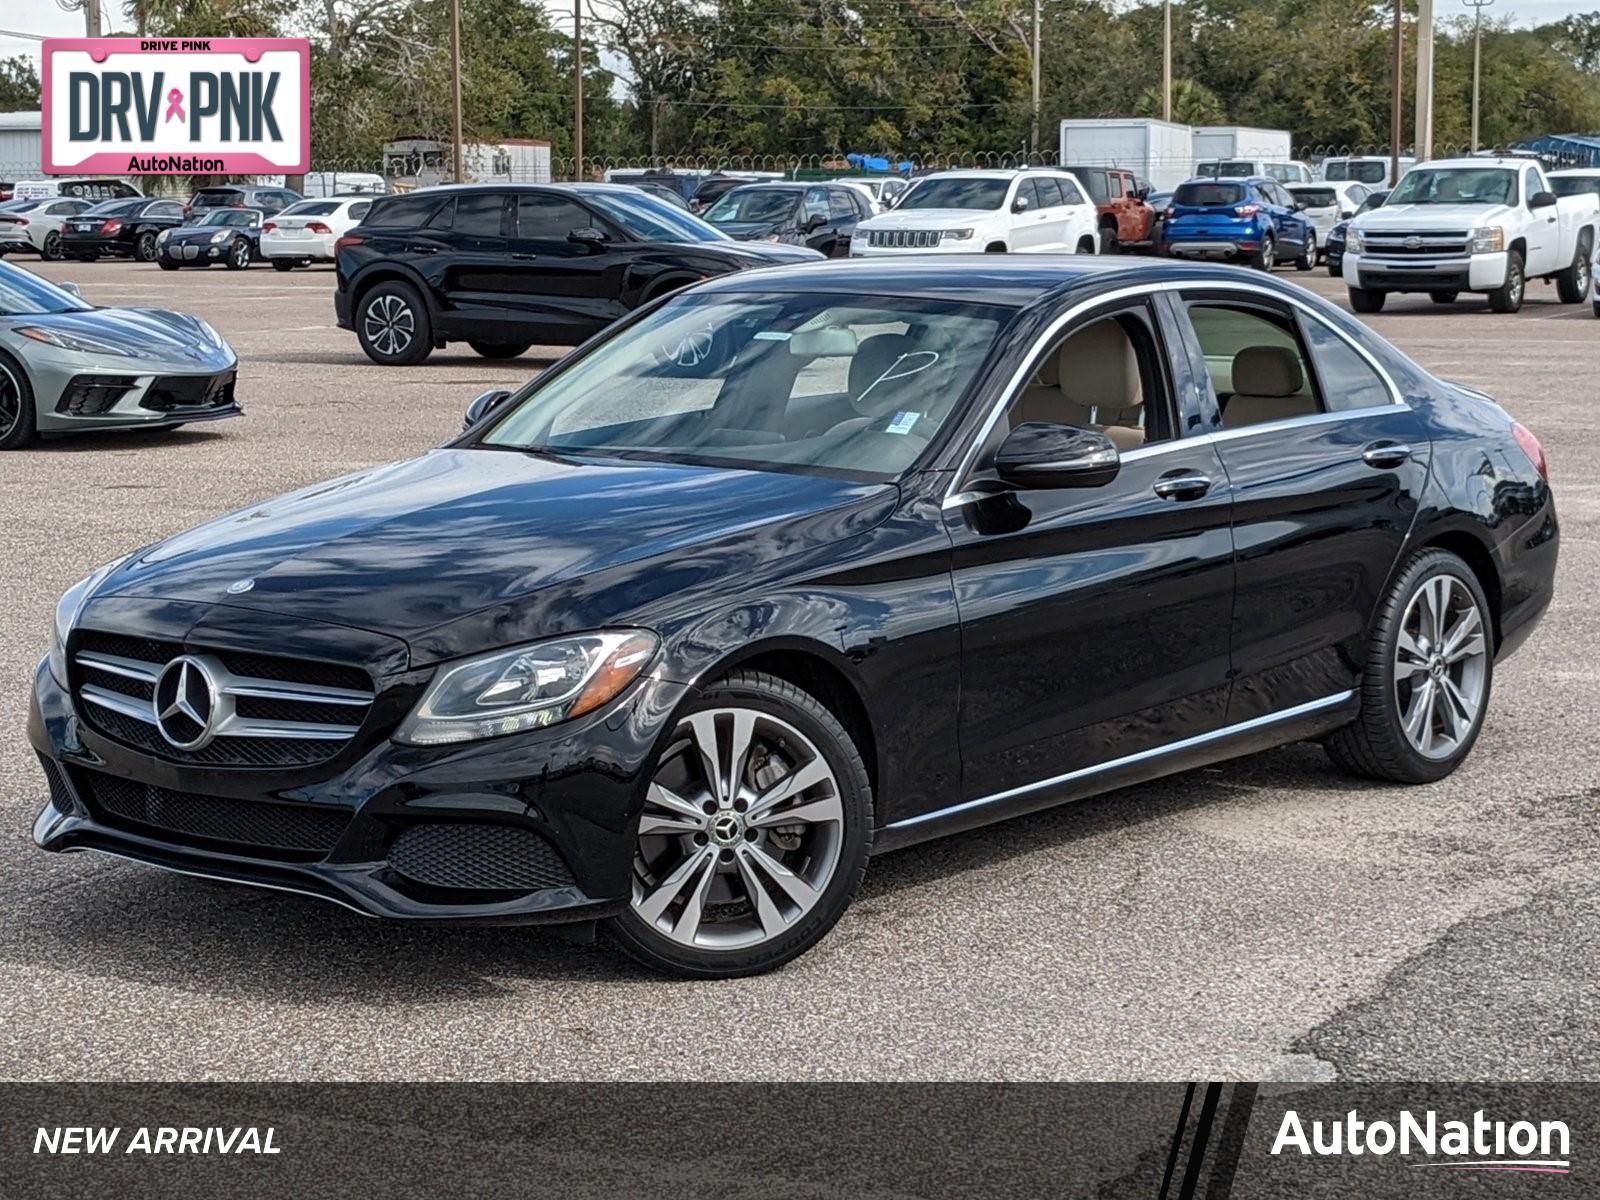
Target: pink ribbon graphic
175, 105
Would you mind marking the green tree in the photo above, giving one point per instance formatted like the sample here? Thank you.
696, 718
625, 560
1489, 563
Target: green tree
19, 85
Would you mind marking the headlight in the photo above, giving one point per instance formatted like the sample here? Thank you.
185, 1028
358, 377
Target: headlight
68, 341
69, 608
220, 235
1488, 239
959, 235
163, 235
528, 687
1354, 240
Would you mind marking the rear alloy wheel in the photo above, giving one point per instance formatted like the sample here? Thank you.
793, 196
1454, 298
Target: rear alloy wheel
1266, 257
52, 247
18, 424
1426, 685
392, 325
501, 350
1308, 260
754, 835
238, 255
144, 249
1572, 284
1507, 298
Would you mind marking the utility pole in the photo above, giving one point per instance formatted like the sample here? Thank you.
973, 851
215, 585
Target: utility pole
455, 87
1399, 97
1166, 60
91, 18
1423, 131
1034, 141
1477, 7
577, 89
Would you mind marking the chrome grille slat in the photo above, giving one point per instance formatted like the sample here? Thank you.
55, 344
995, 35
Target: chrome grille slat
128, 706
309, 693
288, 729
130, 668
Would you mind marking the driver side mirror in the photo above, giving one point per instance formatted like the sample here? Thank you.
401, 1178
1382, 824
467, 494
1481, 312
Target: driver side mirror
483, 406
1141, 193
1541, 200
1020, 204
589, 236
813, 223
1042, 454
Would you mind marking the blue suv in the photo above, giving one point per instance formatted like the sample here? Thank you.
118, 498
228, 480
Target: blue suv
1252, 220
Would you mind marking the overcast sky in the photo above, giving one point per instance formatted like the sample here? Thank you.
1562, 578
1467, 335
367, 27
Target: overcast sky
46, 18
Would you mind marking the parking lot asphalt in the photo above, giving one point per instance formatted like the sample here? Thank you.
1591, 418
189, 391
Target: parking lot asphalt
1266, 918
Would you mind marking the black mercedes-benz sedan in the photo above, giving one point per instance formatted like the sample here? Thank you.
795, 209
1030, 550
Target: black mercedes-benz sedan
797, 566
504, 267
125, 228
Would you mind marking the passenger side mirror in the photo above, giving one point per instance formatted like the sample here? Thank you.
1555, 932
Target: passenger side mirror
1041, 454
1541, 200
483, 406
589, 236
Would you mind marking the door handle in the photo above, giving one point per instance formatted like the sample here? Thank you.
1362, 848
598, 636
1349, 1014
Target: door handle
1182, 485
525, 257
421, 249
1385, 454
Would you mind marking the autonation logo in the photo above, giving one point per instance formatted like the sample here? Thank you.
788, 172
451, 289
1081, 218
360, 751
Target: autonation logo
1477, 1145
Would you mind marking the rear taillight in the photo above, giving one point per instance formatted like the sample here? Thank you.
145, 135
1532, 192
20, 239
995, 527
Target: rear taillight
14, 220
1246, 210
109, 228
318, 227
346, 241
1169, 214
1531, 447
268, 227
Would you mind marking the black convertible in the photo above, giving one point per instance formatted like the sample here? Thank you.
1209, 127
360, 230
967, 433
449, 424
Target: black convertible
231, 236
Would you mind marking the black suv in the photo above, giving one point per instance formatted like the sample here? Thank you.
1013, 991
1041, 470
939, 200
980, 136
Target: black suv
505, 267
821, 216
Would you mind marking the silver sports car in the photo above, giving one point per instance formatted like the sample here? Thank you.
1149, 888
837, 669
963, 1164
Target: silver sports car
66, 365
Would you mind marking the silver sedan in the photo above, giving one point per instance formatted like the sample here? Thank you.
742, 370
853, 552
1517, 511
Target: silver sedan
66, 365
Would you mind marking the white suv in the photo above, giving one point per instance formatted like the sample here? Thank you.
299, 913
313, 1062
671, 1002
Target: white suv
971, 212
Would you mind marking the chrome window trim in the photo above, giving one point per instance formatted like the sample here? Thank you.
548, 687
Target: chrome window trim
1020, 378
1201, 739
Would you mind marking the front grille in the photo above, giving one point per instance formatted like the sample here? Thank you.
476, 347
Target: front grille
90, 395
904, 239
1435, 244
298, 829
490, 858
261, 710
60, 793
174, 392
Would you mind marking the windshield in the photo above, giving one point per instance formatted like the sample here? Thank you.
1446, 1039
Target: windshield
763, 205
644, 216
1200, 194
825, 382
1575, 185
311, 208
1348, 171
216, 199
1314, 197
26, 295
1456, 185
975, 194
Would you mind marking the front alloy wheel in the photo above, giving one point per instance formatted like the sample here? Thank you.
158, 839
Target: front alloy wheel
754, 834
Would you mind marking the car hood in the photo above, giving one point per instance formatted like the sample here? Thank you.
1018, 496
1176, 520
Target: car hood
464, 550
742, 230
1431, 216
927, 218
207, 230
762, 252
149, 335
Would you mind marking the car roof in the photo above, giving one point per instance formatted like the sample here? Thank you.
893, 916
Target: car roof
1513, 164
1011, 280
1575, 173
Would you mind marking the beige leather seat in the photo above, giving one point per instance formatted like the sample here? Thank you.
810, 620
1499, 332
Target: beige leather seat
1268, 386
1092, 382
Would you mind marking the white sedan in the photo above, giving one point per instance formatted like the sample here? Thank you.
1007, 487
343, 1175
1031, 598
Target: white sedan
35, 225
304, 233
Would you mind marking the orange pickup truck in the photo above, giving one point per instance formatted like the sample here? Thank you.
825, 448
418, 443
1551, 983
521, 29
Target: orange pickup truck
1125, 219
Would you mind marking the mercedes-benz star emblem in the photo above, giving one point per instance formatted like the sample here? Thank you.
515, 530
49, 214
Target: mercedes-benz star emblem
186, 703
240, 586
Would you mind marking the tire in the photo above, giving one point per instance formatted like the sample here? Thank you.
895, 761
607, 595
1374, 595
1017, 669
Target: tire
392, 325
1365, 300
1087, 245
1443, 297
1507, 298
1308, 260
19, 421
238, 255
1108, 240
284, 264
1572, 284
52, 247
86, 258
165, 265
144, 248
995, 248
1377, 744
501, 350
1265, 256
680, 860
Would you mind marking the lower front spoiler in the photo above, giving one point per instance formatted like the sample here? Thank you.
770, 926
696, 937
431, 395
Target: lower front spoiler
360, 887
51, 423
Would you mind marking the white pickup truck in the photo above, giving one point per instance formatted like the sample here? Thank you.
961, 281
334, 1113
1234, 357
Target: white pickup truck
1472, 225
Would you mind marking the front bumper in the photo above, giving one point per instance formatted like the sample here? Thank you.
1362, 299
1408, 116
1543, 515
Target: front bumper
187, 253
82, 391
568, 796
1424, 273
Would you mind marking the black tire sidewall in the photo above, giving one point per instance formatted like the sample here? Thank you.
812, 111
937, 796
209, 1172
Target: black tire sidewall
27, 426
1425, 566
144, 247
764, 693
